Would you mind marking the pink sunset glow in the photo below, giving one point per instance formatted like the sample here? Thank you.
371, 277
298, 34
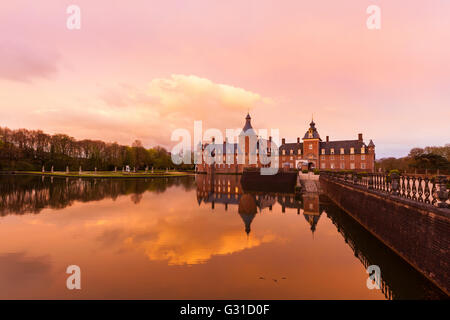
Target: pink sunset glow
140, 69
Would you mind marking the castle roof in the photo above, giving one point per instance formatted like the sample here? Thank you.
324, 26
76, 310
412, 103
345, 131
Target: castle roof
248, 129
291, 146
336, 145
345, 144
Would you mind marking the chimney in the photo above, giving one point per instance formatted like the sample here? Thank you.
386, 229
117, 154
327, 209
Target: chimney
213, 140
360, 138
270, 138
283, 141
298, 140
328, 139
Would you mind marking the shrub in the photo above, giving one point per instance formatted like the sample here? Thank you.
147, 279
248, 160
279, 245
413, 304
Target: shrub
305, 171
394, 171
316, 172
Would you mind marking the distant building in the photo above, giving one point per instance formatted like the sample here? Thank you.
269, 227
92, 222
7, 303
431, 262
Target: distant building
312, 153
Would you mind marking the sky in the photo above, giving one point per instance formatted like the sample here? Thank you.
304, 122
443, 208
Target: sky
141, 69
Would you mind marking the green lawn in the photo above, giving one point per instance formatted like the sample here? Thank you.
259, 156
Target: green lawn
110, 174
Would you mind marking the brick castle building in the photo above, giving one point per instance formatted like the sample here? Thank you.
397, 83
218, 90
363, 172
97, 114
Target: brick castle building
312, 153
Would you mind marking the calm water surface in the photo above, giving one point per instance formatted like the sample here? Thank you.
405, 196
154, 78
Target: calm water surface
187, 238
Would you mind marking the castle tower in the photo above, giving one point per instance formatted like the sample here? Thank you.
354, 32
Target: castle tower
311, 146
247, 144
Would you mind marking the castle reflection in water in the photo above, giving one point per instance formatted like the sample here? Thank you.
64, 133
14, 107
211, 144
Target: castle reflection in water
21, 195
227, 190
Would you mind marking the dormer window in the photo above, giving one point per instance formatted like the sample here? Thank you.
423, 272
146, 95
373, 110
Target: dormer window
342, 150
352, 150
332, 150
323, 151
363, 150
284, 152
292, 151
299, 151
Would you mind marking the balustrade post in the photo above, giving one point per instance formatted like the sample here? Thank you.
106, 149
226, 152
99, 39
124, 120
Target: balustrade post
395, 183
370, 182
442, 192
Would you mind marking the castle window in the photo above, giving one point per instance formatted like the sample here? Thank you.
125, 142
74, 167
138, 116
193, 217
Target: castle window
322, 165
323, 157
342, 165
352, 157
352, 166
363, 165
342, 150
332, 157
332, 165
310, 146
352, 150
332, 150
363, 157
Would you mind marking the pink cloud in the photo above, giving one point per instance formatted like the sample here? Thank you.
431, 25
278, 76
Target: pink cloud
19, 62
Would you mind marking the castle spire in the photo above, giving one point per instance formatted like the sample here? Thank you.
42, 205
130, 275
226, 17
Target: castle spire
248, 129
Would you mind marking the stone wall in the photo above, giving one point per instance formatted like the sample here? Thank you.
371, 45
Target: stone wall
418, 232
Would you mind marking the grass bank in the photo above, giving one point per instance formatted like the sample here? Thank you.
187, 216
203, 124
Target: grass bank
108, 174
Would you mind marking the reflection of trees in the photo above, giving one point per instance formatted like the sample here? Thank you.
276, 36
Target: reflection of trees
399, 279
31, 194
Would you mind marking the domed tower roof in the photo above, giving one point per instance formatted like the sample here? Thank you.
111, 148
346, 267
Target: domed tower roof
312, 132
248, 129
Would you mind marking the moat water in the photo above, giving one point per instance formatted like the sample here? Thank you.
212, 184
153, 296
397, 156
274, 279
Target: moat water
187, 238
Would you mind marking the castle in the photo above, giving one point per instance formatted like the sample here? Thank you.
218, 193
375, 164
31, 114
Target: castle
312, 153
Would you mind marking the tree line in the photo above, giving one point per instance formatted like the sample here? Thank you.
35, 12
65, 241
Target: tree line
420, 160
24, 149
